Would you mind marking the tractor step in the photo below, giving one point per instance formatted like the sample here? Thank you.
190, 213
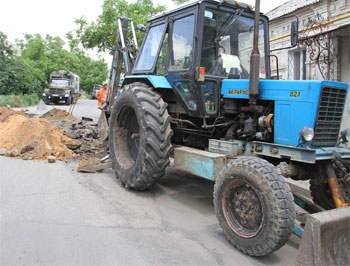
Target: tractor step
201, 163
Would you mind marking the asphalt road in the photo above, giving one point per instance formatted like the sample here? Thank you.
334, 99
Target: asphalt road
50, 214
83, 108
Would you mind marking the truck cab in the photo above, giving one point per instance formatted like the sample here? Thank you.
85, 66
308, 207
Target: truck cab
63, 87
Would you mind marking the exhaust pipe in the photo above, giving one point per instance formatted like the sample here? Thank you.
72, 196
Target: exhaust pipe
255, 61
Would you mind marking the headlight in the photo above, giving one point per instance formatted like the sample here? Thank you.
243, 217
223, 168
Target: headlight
345, 135
307, 134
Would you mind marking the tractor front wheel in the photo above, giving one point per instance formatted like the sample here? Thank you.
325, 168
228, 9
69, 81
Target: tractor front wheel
254, 206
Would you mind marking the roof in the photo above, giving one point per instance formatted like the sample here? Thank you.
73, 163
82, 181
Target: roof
289, 7
190, 3
176, 8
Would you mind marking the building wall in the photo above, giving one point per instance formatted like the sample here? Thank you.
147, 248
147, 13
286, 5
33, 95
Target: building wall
300, 62
345, 73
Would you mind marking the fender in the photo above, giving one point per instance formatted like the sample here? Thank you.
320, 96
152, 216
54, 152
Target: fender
156, 81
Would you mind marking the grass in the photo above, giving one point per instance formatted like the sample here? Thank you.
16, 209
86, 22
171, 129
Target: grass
19, 100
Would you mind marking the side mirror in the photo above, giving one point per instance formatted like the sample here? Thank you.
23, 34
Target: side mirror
294, 32
141, 27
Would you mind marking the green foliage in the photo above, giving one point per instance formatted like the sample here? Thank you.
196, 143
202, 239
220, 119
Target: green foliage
29, 72
42, 56
178, 2
30, 99
12, 71
101, 33
19, 100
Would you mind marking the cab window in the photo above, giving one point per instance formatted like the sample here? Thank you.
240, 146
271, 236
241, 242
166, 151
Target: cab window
149, 52
182, 44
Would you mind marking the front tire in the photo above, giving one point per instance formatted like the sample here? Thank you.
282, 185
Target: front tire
47, 101
254, 206
69, 100
139, 136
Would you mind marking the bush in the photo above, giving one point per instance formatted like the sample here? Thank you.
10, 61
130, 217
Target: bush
31, 99
19, 100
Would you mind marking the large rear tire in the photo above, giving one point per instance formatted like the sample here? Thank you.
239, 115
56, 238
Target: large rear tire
254, 206
139, 136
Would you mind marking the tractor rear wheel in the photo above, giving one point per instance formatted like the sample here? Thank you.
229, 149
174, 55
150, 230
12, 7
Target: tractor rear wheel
139, 136
254, 206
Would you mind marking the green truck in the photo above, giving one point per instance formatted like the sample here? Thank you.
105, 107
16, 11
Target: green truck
63, 87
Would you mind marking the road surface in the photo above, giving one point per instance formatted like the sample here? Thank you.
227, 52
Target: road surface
50, 214
83, 108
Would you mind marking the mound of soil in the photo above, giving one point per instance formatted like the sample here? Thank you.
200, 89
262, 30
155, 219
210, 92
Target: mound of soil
35, 136
56, 133
5, 112
84, 130
55, 116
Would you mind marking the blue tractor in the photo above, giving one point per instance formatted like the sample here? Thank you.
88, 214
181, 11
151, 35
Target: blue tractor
200, 90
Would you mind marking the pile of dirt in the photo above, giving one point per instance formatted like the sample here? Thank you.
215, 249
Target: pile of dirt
5, 112
33, 138
85, 131
57, 133
58, 114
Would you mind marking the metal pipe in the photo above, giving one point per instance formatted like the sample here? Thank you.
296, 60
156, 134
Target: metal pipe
255, 60
134, 36
121, 31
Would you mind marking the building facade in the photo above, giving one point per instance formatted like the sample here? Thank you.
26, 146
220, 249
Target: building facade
323, 50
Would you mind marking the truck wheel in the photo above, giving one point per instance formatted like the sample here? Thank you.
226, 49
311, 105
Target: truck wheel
69, 100
47, 100
254, 206
139, 136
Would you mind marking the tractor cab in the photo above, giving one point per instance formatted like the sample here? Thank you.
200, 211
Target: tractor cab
196, 47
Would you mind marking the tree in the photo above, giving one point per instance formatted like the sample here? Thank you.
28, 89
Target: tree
178, 2
12, 71
102, 33
42, 56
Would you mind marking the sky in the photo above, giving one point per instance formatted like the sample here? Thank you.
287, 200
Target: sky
56, 18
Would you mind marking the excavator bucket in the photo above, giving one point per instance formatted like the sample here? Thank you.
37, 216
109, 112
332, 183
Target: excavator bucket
326, 239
